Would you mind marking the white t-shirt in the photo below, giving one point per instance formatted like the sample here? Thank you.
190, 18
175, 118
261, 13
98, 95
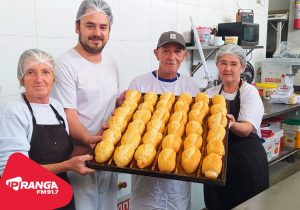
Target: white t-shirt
91, 89
16, 125
252, 108
148, 82
157, 193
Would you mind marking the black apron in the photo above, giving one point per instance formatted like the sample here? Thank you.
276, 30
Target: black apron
247, 169
50, 144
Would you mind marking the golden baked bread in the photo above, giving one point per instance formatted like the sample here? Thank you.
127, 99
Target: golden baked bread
132, 104
123, 155
147, 106
133, 94
103, 151
123, 112
217, 131
132, 138
217, 119
179, 116
192, 140
169, 96
151, 97
167, 160
162, 114
143, 115
181, 106
219, 99
202, 106
164, 104
190, 159
117, 122
152, 137
176, 127
218, 108
186, 97
196, 115
215, 146
111, 135
172, 141
202, 97
212, 165
156, 125
144, 155
137, 126
193, 127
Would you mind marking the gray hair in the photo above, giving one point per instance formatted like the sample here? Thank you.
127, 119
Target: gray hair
232, 49
30, 58
91, 6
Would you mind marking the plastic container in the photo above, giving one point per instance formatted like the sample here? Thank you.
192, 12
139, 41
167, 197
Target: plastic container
291, 129
231, 39
260, 88
204, 35
268, 90
272, 136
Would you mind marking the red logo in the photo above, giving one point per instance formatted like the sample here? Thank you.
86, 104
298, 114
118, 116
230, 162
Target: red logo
27, 185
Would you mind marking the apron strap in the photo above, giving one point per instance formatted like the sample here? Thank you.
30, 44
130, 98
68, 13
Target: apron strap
29, 107
59, 118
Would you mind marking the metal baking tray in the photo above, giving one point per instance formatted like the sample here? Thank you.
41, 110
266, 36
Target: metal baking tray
178, 173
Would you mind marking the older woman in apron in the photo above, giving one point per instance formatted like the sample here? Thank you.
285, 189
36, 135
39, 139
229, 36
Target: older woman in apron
247, 165
35, 124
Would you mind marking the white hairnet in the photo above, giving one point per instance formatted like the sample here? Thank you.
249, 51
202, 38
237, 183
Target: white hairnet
30, 58
234, 50
88, 7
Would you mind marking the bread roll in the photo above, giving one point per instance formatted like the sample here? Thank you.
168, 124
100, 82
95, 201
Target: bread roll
216, 131
218, 108
169, 96
151, 97
144, 155
193, 127
186, 97
164, 104
117, 122
172, 141
219, 99
132, 104
136, 125
152, 137
146, 106
190, 159
123, 112
123, 155
179, 116
133, 94
217, 119
167, 160
181, 106
193, 140
215, 146
196, 115
202, 97
156, 125
132, 138
111, 135
143, 115
103, 151
176, 127
212, 165
202, 106
162, 114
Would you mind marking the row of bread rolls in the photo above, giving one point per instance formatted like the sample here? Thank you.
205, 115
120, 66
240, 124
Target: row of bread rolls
217, 121
117, 123
191, 154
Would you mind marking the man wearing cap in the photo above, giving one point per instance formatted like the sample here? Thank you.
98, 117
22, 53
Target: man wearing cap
87, 84
150, 193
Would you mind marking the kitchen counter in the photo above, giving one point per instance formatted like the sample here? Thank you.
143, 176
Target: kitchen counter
273, 110
283, 195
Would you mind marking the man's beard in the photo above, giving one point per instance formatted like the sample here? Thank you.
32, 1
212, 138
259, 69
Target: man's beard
92, 50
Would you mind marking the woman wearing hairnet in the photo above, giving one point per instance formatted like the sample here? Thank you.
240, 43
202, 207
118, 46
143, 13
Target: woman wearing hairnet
35, 124
247, 166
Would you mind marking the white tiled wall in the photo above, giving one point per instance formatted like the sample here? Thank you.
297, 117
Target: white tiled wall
49, 25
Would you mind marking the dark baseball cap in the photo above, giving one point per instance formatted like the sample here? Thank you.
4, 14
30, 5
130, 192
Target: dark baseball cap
171, 37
